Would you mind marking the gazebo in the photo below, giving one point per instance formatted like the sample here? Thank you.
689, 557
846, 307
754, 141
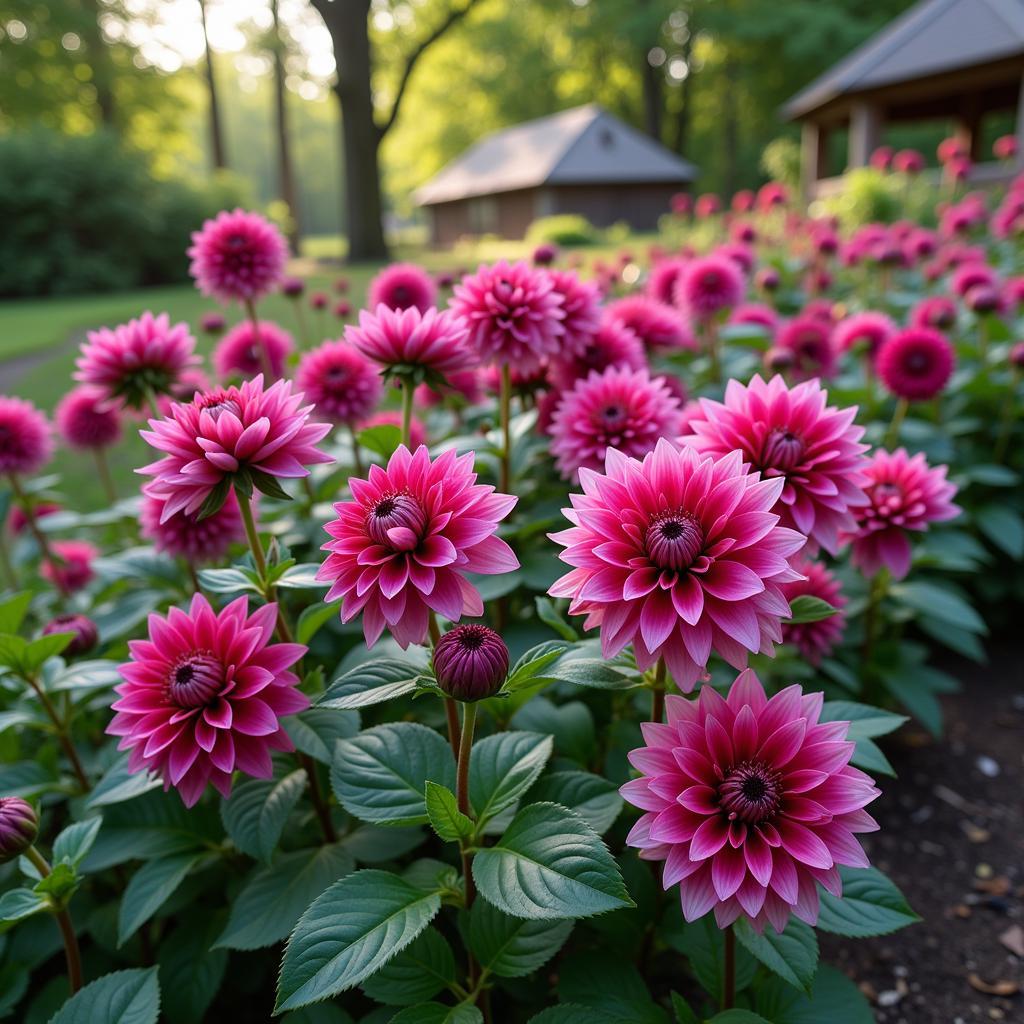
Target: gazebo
957, 60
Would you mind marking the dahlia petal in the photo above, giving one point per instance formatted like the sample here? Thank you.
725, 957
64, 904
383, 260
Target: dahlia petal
728, 869
803, 844
710, 838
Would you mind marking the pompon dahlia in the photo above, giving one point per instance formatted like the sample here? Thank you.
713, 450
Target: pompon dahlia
866, 331
229, 433
137, 360
340, 381
204, 696
404, 340
85, 420
809, 339
904, 494
792, 434
244, 352
402, 286
937, 311
403, 546
613, 344
513, 313
198, 541
581, 301
238, 256
664, 276
620, 408
751, 803
678, 554
915, 364
71, 569
656, 324
815, 640
26, 440
709, 286
756, 313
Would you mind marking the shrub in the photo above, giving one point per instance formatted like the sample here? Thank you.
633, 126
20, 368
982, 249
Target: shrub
563, 229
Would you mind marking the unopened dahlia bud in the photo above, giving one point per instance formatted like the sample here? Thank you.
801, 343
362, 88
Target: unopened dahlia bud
293, 287
471, 662
19, 827
86, 634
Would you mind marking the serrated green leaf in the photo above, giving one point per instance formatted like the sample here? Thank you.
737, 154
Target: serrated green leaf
438, 1013
191, 971
503, 767
124, 997
511, 947
316, 730
871, 904
120, 784
444, 815
1004, 527
257, 811
418, 973
792, 955
75, 841
371, 683
16, 904
591, 796
381, 440
150, 887
313, 618
567, 1013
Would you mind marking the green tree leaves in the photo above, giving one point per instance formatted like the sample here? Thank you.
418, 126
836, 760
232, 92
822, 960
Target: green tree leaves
124, 997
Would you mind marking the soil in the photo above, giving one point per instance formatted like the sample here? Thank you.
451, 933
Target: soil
952, 838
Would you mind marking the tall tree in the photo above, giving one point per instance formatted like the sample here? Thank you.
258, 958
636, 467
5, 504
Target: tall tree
99, 61
285, 166
217, 151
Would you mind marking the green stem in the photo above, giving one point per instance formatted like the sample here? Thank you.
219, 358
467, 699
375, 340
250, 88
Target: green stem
729, 971
462, 796
67, 929
103, 471
407, 396
60, 725
33, 526
10, 576
876, 594
893, 434
658, 692
323, 811
1006, 419
450, 710
283, 630
505, 400
713, 353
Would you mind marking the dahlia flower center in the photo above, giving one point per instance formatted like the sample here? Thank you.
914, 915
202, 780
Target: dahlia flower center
195, 680
397, 521
916, 362
400, 294
613, 415
674, 540
782, 449
751, 792
217, 403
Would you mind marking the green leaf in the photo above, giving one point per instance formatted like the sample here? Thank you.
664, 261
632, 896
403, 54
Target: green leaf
95, 674
228, 581
269, 485
550, 864
938, 602
438, 1013
444, 815
301, 577
418, 973
594, 674
703, 945
511, 947
547, 614
503, 767
350, 932
808, 608
792, 955
214, 501
274, 898
313, 618
569, 1013
13, 611
870, 905
75, 841
371, 683
591, 796
609, 983
191, 971
39, 651
866, 722
684, 1015
381, 440
120, 784
379, 775
529, 669
834, 999
1004, 527
316, 730
124, 997
257, 811
16, 904
737, 1017
150, 887
12, 652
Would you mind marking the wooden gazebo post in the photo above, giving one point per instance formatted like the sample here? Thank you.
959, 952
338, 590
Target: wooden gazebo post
865, 132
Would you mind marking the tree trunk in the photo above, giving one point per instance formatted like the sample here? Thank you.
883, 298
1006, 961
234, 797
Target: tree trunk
100, 63
217, 155
681, 133
285, 167
730, 127
651, 79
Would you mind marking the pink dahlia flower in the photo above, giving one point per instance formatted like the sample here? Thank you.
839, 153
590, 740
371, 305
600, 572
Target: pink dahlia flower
613, 344
751, 803
620, 408
390, 418
707, 205
71, 569
84, 419
809, 339
17, 521
793, 435
340, 381
815, 640
863, 331
904, 494
758, 314
244, 352
545, 254
581, 302
137, 360
198, 541
1005, 147
513, 313
26, 440
678, 554
970, 275
709, 286
657, 325
402, 286
915, 364
403, 340
936, 311
229, 436
908, 161
238, 256
403, 546
204, 696
665, 275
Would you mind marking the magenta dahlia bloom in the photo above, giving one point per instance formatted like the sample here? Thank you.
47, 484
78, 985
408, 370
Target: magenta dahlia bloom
26, 440
581, 302
390, 418
613, 344
809, 339
403, 546
915, 364
709, 286
620, 408
402, 286
791, 433
756, 313
936, 311
71, 569
970, 275
513, 313
238, 256
815, 640
664, 276
656, 324
137, 360
340, 381
751, 802
204, 696
228, 433
1005, 147
678, 554
904, 494
402, 341
544, 255
908, 161
245, 352
198, 541
866, 331
85, 420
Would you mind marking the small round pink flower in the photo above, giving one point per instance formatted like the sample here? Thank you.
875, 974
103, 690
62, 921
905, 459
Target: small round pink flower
340, 381
881, 158
229, 432
198, 541
908, 161
204, 696
751, 803
970, 275
815, 640
137, 360
758, 314
17, 521
238, 256
391, 418
936, 311
664, 276
26, 440
915, 364
614, 344
771, 195
659, 326
244, 353
545, 254
402, 341
620, 408
904, 495
707, 205
581, 302
865, 332
678, 554
1005, 147
402, 286
84, 419
513, 313
71, 569
403, 546
809, 339
709, 286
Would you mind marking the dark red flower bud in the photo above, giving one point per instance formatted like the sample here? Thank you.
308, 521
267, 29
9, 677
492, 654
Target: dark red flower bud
471, 662
19, 827
86, 634
293, 287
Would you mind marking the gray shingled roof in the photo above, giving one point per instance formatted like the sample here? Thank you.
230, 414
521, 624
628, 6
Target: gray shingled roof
585, 145
931, 37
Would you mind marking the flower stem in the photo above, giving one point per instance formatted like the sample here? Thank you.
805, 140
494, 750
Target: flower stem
462, 796
1006, 419
253, 538
323, 811
879, 587
63, 734
407, 395
33, 525
67, 929
893, 434
357, 452
261, 348
103, 471
713, 353
729, 971
450, 710
10, 576
300, 319
505, 400
658, 692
